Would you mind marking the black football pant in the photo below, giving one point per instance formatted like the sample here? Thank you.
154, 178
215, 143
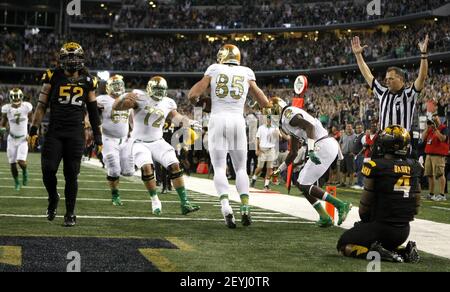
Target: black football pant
69, 148
365, 234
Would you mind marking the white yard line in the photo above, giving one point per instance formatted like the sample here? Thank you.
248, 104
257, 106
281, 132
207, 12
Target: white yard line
147, 218
97, 200
431, 237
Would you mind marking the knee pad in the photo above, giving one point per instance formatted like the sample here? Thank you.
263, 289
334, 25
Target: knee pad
175, 175
147, 178
112, 178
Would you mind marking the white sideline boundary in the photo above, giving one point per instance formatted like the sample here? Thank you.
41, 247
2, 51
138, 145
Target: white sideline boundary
431, 237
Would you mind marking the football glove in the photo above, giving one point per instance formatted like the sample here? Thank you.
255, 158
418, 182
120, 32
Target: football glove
33, 141
313, 156
99, 143
2, 131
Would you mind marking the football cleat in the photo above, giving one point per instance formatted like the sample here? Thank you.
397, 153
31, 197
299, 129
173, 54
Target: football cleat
116, 201
411, 253
227, 213
325, 222
17, 186
156, 206
246, 218
343, 212
70, 220
52, 207
386, 255
188, 207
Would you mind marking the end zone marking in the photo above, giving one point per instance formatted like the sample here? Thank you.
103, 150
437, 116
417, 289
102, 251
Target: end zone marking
183, 246
11, 255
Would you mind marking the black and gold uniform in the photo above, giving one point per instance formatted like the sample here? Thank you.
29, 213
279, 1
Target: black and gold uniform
69, 93
390, 199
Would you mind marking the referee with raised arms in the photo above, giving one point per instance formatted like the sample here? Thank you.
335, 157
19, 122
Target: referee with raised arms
397, 102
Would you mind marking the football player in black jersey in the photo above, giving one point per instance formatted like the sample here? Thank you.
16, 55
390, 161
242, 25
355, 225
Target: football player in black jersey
68, 91
390, 200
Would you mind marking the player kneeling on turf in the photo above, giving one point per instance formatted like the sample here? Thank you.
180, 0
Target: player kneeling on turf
390, 200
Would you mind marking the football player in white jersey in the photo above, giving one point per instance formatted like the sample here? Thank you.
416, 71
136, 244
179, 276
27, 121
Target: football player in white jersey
322, 151
230, 83
115, 129
150, 112
17, 113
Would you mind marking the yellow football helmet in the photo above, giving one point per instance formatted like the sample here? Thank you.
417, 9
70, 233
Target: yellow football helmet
71, 57
115, 85
229, 54
15, 96
395, 140
157, 88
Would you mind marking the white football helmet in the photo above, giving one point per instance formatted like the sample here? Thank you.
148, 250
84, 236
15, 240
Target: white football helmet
115, 86
15, 96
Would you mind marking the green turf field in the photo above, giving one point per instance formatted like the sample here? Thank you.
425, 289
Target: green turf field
197, 242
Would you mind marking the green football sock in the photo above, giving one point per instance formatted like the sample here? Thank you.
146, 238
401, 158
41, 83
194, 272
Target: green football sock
181, 191
245, 199
333, 201
152, 193
319, 208
115, 193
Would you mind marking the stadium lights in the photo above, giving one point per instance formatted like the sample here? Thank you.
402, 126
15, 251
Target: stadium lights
103, 75
102, 5
435, 19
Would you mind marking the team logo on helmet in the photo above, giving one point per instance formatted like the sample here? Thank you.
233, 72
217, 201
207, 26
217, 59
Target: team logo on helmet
229, 54
115, 85
15, 96
157, 88
395, 140
71, 57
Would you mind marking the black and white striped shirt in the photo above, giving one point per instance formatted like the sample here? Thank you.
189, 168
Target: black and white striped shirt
396, 108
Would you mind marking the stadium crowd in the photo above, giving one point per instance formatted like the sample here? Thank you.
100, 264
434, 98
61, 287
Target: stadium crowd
164, 53
254, 14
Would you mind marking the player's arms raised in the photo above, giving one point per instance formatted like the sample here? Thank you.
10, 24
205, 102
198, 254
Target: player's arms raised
198, 89
258, 94
419, 84
358, 50
125, 102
